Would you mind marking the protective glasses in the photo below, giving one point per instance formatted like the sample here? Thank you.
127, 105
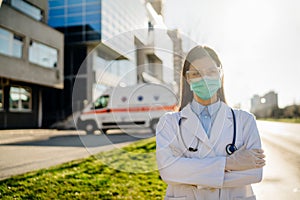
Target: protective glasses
199, 73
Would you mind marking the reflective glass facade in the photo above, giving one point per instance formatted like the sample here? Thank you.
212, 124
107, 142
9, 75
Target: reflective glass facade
74, 13
88, 20
120, 16
80, 20
120, 23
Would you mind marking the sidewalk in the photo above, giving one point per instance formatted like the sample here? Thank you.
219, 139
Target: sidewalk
26, 150
22, 135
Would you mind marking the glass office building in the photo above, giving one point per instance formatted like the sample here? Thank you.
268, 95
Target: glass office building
92, 31
102, 42
80, 20
95, 20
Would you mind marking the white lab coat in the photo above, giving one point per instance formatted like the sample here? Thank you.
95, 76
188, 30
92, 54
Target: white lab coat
201, 175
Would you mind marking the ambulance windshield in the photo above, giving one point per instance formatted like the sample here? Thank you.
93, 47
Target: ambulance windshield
101, 102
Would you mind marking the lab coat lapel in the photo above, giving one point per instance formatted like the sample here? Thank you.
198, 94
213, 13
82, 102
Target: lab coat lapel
191, 128
192, 123
218, 124
221, 122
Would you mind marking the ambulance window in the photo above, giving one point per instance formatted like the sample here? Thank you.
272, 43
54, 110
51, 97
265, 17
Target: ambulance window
101, 102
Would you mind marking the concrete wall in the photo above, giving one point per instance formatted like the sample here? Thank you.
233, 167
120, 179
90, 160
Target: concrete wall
43, 5
46, 84
20, 68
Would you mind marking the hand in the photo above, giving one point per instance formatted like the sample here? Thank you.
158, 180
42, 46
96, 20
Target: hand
244, 159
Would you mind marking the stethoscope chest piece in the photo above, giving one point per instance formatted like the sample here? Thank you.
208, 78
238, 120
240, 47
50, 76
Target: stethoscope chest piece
192, 149
230, 148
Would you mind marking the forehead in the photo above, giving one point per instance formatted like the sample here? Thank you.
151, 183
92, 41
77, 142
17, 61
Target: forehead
203, 63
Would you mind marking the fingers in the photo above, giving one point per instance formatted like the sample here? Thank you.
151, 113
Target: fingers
260, 163
258, 150
259, 160
244, 159
255, 153
259, 155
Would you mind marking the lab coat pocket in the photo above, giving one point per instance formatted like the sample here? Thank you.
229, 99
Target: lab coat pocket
245, 198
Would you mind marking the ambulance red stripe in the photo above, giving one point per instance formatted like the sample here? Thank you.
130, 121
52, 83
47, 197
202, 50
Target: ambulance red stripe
132, 109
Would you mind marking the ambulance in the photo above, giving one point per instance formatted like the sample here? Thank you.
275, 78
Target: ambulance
138, 106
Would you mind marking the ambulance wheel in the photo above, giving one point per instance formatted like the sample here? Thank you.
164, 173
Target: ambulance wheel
90, 126
153, 125
80, 124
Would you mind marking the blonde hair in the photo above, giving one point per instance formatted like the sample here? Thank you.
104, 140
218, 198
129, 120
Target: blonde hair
186, 95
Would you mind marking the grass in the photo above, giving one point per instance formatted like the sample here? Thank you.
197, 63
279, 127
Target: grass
288, 120
127, 173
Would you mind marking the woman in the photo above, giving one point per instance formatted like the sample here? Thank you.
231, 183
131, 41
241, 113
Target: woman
198, 154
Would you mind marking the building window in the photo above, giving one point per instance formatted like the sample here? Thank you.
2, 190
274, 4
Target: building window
10, 43
42, 55
20, 99
28, 9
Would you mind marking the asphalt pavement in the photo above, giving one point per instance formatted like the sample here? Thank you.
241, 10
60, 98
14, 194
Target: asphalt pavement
26, 150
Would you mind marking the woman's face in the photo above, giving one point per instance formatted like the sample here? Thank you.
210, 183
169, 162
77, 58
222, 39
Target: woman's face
202, 67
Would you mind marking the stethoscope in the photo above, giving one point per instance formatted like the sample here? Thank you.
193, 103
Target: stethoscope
230, 148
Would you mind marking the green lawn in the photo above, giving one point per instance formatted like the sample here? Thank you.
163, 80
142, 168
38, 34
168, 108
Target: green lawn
288, 120
127, 173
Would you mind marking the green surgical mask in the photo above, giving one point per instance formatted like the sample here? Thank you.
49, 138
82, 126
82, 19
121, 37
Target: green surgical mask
206, 87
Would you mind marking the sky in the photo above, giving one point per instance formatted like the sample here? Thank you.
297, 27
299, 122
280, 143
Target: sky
258, 42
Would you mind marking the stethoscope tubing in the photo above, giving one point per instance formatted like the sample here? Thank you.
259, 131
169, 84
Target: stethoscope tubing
230, 148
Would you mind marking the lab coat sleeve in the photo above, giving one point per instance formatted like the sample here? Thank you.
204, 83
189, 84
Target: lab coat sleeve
176, 169
252, 140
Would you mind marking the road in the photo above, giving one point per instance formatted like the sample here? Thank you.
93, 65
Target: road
281, 142
27, 150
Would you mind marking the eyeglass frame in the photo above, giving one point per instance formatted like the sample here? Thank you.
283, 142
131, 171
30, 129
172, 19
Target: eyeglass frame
212, 72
